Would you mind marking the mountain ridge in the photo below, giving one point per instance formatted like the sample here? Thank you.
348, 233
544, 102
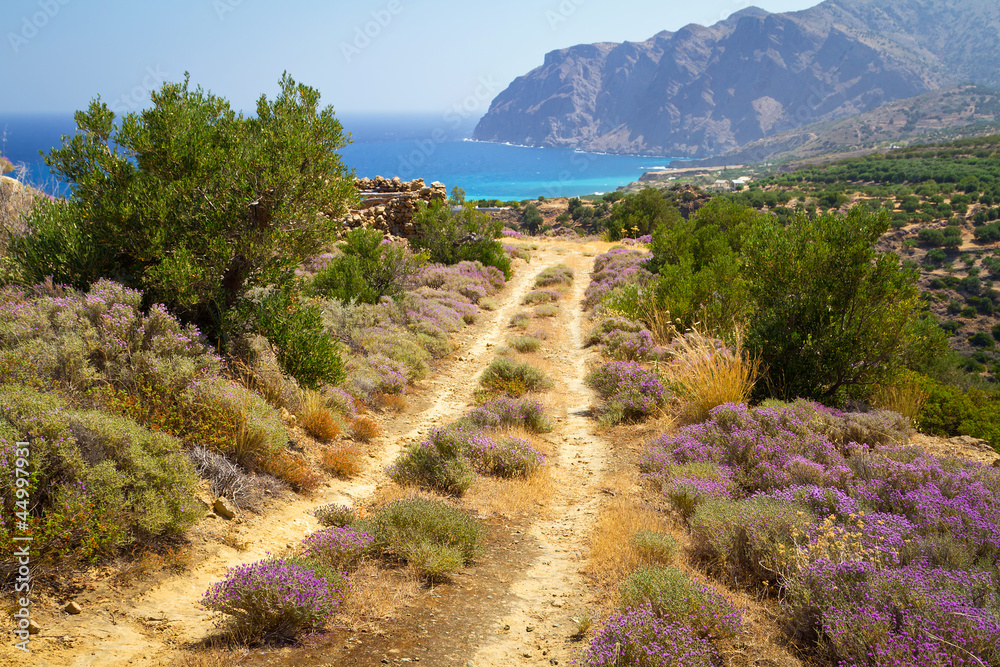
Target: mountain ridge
703, 91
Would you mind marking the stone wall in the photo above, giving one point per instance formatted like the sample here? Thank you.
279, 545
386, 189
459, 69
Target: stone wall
389, 204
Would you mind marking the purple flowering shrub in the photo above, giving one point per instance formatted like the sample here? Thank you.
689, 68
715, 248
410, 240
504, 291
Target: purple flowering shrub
901, 568
101, 337
503, 457
447, 459
632, 346
639, 637
505, 412
340, 547
628, 391
276, 597
540, 296
614, 268
598, 334
914, 615
677, 598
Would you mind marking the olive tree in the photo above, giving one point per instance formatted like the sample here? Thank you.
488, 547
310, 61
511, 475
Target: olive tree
190, 201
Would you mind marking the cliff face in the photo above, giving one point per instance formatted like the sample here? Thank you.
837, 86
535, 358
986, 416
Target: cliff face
702, 91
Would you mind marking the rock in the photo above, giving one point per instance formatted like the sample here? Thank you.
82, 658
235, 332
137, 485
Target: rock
969, 441
224, 508
33, 628
72, 608
996, 463
5, 165
287, 417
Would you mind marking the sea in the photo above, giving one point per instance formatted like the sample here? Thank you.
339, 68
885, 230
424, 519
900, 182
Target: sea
435, 147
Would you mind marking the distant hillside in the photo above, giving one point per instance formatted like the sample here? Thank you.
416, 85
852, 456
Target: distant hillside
943, 115
703, 91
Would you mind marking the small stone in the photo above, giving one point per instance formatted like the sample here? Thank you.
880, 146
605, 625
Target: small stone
996, 463
224, 508
33, 628
530, 628
506, 628
526, 655
72, 608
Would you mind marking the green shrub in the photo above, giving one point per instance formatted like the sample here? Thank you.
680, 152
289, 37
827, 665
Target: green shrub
675, 596
520, 320
748, 543
546, 310
560, 274
514, 378
305, 349
540, 296
655, 547
369, 269
451, 236
335, 515
98, 481
197, 204
981, 340
439, 463
430, 535
525, 343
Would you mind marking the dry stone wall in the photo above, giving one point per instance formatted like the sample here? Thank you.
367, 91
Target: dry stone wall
389, 204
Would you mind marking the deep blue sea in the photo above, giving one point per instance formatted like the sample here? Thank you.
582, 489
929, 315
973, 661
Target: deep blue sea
432, 147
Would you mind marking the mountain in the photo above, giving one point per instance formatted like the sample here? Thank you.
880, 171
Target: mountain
958, 112
703, 91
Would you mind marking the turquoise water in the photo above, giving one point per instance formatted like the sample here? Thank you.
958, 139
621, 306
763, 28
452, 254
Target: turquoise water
435, 148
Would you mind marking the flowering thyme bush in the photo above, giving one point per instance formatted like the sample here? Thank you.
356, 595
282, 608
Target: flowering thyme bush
628, 390
275, 597
503, 457
504, 411
901, 568
340, 547
616, 267
915, 615
637, 636
677, 598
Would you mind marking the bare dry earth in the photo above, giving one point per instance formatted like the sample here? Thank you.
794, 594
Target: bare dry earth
516, 606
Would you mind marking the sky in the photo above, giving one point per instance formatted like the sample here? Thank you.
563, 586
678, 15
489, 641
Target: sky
387, 56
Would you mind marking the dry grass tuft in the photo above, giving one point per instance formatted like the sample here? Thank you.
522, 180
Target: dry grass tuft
705, 373
365, 429
377, 595
292, 470
905, 396
515, 496
391, 402
613, 553
316, 418
342, 459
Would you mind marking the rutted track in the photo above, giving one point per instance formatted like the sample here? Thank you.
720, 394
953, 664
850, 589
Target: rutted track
149, 629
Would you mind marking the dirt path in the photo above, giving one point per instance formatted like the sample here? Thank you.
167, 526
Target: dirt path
541, 590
